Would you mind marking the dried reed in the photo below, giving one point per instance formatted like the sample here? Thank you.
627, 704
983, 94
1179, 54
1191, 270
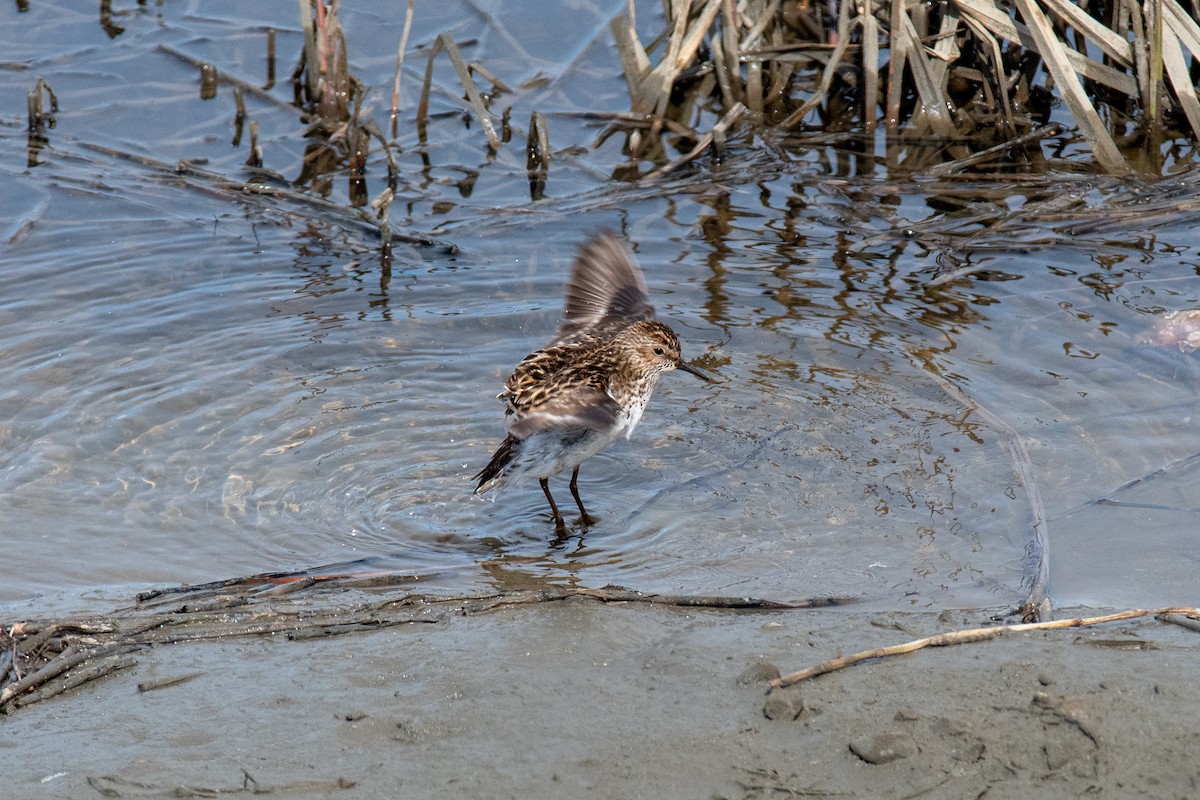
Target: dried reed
971, 73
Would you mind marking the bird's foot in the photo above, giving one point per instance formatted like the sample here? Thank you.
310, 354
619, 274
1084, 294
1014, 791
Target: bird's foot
560, 525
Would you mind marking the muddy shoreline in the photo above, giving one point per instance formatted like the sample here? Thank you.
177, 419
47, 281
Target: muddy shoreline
581, 698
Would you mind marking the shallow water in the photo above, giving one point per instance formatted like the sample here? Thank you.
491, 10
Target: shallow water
201, 385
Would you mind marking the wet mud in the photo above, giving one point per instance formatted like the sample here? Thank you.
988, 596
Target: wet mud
584, 698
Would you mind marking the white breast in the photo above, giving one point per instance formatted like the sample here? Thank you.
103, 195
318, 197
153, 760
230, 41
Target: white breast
629, 417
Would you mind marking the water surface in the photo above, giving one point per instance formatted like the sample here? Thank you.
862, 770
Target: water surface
201, 385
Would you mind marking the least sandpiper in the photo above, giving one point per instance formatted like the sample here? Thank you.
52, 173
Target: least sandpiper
568, 401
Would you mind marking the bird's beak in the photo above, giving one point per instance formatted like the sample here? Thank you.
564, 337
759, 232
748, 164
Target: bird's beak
686, 367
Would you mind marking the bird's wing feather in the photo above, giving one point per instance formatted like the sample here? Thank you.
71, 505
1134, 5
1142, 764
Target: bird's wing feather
583, 407
605, 286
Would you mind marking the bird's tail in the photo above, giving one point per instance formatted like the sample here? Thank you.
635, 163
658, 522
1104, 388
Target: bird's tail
491, 475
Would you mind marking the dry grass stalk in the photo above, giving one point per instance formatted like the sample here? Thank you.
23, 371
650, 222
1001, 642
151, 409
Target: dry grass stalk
1073, 93
1184, 28
962, 70
270, 84
408, 18
473, 96
426, 87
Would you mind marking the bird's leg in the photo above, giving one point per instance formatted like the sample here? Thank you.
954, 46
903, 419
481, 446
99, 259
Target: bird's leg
584, 517
559, 525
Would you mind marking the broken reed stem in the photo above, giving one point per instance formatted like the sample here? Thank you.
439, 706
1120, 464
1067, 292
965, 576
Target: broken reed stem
38, 118
195, 177
537, 155
970, 635
270, 84
408, 17
255, 157
239, 103
309, 63
473, 96
1155, 45
896, 62
718, 132
835, 60
1066, 81
482, 71
380, 205
730, 65
870, 65
426, 86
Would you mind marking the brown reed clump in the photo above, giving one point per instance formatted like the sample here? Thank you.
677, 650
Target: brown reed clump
966, 72
339, 133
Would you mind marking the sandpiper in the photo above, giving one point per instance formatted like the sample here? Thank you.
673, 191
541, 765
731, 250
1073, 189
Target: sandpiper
568, 401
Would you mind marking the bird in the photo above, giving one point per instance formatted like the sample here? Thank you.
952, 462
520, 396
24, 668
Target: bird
569, 400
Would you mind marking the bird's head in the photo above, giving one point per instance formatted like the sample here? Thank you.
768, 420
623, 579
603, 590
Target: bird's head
654, 347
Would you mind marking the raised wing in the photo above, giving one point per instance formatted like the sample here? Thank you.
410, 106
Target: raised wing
606, 289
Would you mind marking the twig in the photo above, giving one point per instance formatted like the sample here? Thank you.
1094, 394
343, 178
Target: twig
70, 657
33, 644
91, 672
966, 636
1182, 621
162, 683
618, 594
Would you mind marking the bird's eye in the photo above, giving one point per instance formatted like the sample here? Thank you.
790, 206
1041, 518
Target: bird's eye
658, 351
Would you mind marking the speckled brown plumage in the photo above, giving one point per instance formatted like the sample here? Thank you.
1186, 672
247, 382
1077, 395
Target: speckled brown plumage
568, 401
